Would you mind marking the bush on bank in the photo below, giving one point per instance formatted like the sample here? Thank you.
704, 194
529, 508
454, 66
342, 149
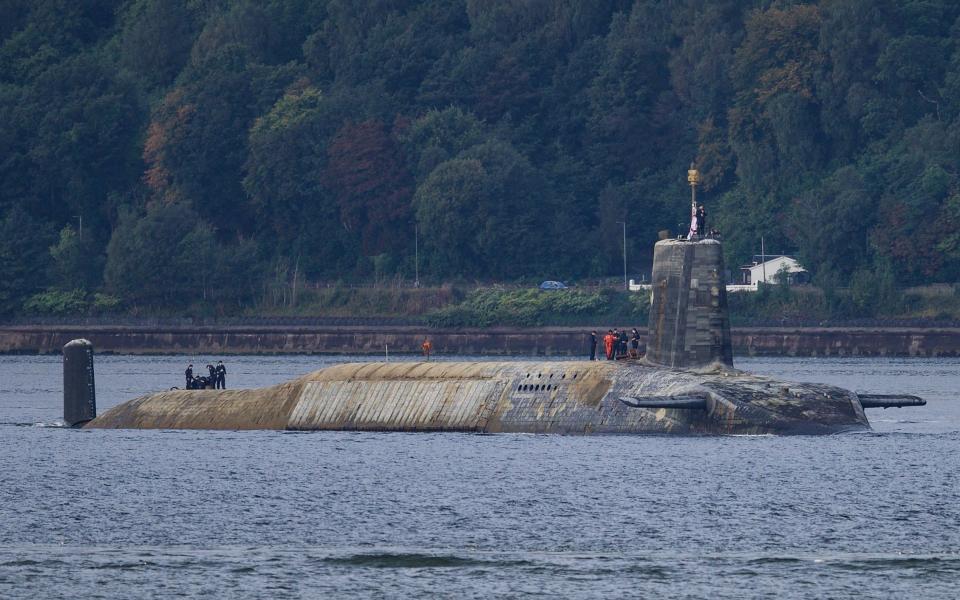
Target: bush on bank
74, 302
533, 307
342, 301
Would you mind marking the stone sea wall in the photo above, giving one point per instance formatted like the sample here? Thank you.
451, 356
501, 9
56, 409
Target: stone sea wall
547, 341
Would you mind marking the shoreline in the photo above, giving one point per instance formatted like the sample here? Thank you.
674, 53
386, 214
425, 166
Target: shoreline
541, 341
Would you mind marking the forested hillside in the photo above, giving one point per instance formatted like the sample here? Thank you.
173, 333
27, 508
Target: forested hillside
214, 150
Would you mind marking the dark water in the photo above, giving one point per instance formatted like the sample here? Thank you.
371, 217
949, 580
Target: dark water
126, 514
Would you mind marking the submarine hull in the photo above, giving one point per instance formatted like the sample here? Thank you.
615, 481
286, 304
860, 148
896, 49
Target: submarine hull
577, 398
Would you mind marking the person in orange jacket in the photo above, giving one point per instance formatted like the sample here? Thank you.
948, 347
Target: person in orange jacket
427, 347
608, 341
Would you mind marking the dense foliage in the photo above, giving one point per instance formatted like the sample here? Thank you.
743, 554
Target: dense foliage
217, 149
530, 308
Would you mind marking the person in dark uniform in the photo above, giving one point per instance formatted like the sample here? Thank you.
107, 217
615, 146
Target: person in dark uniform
221, 376
212, 377
701, 220
623, 343
189, 375
634, 343
593, 345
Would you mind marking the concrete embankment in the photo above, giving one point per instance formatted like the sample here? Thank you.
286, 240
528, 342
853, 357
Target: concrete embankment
546, 341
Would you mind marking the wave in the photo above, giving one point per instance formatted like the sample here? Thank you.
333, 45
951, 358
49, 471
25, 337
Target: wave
55, 424
415, 560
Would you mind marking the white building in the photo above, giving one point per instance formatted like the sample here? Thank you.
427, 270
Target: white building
768, 270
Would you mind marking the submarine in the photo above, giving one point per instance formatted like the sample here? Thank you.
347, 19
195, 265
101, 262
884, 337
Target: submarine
685, 384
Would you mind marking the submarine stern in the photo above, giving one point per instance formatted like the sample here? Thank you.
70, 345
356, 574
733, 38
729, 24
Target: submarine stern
730, 402
756, 405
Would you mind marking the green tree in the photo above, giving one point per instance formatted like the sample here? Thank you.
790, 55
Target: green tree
831, 223
484, 214
156, 39
440, 135
284, 180
162, 257
76, 262
23, 258
196, 146
630, 98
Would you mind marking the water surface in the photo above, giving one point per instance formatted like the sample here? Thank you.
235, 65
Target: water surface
119, 514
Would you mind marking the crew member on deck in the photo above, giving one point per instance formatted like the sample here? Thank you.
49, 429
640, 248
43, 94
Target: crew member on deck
426, 346
212, 378
701, 221
189, 375
608, 341
593, 345
221, 376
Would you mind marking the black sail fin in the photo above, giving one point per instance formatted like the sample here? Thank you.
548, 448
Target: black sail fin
684, 402
890, 400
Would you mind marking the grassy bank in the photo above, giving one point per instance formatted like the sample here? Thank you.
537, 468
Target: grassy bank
812, 304
452, 306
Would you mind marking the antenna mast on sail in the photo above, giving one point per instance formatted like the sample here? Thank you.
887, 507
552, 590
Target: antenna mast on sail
693, 176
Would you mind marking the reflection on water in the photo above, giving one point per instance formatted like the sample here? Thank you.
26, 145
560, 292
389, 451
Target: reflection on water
276, 514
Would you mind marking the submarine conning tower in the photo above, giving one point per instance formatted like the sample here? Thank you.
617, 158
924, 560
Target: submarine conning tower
689, 326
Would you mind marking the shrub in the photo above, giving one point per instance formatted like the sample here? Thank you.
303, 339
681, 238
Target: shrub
105, 303
57, 302
523, 308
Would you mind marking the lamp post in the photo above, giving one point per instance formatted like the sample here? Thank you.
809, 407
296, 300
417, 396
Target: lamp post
416, 255
763, 259
624, 223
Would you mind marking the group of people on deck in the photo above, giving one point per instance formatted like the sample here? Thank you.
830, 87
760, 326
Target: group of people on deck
217, 378
617, 344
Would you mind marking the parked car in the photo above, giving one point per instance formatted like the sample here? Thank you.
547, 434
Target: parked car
553, 285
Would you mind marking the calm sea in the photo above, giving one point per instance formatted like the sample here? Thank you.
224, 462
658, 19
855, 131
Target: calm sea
130, 514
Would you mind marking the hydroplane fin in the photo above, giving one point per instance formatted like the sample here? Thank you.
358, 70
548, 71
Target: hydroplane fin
684, 402
889, 400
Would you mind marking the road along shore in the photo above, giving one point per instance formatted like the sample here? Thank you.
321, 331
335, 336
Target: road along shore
500, 341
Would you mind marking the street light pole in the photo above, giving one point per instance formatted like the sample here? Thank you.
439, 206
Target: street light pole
416, 255
624, 223
763, 259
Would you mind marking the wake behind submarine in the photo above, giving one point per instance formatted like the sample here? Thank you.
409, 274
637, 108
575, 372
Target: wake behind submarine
685, 384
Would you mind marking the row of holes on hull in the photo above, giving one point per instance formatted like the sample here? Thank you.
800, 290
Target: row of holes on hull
550, 375
535, 388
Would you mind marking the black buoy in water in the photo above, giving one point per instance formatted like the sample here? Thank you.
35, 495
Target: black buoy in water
79, 391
